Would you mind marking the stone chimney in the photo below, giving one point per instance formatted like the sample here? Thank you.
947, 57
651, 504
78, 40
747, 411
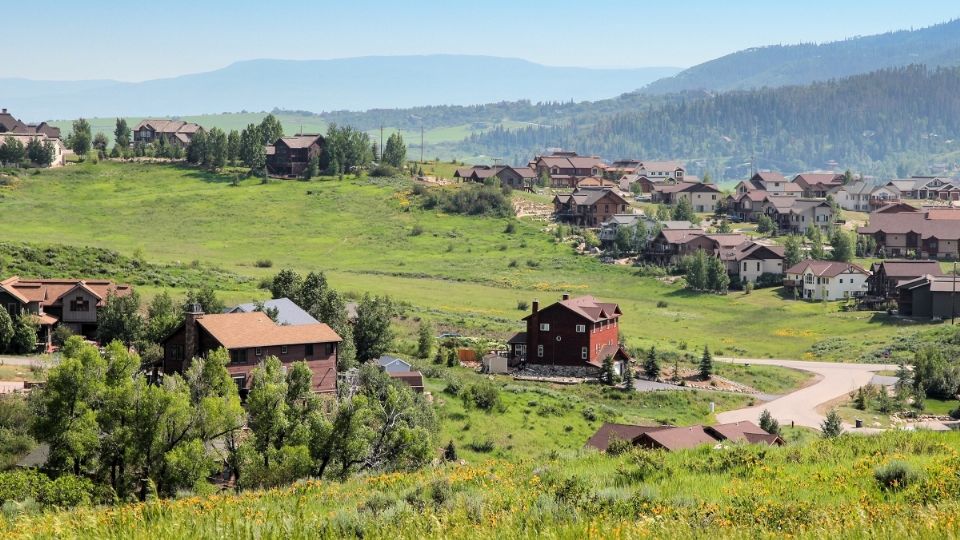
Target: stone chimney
566, 296
191, 341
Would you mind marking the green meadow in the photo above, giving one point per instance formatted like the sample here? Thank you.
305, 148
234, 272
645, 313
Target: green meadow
464, 273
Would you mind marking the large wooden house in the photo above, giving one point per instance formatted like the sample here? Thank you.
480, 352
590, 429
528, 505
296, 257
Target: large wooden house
250, 338
578, 332
589, 206
173, 132
566, 169
290, 156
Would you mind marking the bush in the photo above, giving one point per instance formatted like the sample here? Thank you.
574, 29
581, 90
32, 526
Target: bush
454, 386
482, 395
264, 263
388, 171
484, 446
522, 305
510, 228
661, 303
618, 446
895, 475
66, 491
417, 230
473, 200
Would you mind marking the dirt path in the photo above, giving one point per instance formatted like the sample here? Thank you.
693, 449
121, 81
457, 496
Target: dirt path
800, 407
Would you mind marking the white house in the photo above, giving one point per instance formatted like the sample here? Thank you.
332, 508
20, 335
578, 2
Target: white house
752, 260
826, 280
391, 364
864, 197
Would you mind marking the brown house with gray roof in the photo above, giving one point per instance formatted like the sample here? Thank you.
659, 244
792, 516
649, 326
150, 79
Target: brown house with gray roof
567, 168
9, 124
515, 177
589, 206
173, 132
933, 233
929, 297
290, 156
250, 338
672, 438
887, 275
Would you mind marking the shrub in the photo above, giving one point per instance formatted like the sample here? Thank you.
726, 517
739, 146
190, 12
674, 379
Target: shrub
66, 491
264, 263
473, 200
483, 395
484, 446
512, 264
618, 446
388, 171
661, 303
522, 305
895, 475
454, 386
417, 230
510, 228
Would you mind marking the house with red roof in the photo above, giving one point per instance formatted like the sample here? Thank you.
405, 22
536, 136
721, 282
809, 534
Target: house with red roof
250, 338
818, 184
566, 169
71, 302
930, 233
671, 438
826, 280
578, 332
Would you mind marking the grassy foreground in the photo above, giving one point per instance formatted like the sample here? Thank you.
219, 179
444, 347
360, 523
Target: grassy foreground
465, 273
819, 489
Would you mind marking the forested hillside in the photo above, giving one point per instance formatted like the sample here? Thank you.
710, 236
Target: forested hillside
887, 122
780, 65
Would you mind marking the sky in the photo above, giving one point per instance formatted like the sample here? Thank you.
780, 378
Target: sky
137, 40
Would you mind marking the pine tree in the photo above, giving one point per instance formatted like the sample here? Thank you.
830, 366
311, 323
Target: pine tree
425, 339
450, 452
832, 425
860, 401
452, 358
607, 375
842, 246
768, 423
706, 363
651, 366
627, 376
792, 251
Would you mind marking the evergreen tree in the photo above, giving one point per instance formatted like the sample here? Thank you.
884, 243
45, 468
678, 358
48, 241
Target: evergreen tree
450, 452
6, 330
269, 130
215, 156
197, 149
651, 365
395, 151
425, 339
12, 151
627, 376
769, 424
842, 246
717, 278
683, 211
706, 363
607, 374
24, 339
100, 144
121, 134
816, 243
832, 426
765, 225
81, 138
453, 359
233, 146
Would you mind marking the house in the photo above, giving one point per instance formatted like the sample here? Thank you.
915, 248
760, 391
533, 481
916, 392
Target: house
515, 177
594, 182
574, 332
290, 156
896, 208
620, 168
609, 228
702, 197
287, 311
826, 280
589, 207
670, 245
747, 205
392, 364
173, 132
817, 185
413, 379
864, 197
772, 183
930, 233
795, 216
927, 188
933, 297
661, 171
672, 438
9, 124
73, 303
750, 260
250, 338
59, 150
886, 276
565, 169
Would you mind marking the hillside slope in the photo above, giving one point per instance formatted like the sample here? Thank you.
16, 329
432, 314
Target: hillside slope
325, 85
781, 65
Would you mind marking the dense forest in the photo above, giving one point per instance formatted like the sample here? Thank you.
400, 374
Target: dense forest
884, 123
779, 65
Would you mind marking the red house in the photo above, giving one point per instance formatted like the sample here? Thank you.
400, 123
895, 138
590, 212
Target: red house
578, 332
250, 338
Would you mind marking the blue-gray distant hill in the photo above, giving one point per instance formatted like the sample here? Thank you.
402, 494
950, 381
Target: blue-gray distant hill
325, 85
782, 65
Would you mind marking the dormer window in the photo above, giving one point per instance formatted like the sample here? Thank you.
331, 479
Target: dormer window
79, 304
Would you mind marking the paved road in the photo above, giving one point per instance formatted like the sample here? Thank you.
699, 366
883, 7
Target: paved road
836, 380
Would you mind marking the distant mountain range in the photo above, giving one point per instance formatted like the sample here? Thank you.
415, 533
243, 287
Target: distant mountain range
325, 85
782, 65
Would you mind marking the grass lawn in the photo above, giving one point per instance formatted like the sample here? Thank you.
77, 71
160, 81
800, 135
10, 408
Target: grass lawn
463, 272
22, 373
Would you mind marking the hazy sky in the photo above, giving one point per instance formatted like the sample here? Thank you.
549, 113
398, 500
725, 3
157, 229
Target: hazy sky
137, 40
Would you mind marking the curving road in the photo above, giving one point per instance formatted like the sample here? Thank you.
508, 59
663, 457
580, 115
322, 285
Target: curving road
836, 379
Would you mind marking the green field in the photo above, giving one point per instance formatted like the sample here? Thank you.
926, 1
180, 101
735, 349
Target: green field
465, 273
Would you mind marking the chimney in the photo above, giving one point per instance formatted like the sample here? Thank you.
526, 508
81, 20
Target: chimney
566, 296
4, 111
536, 306
191, 342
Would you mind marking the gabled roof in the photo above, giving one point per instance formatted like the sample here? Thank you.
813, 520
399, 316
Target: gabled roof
943, 284
300, 141
593, 181
907, 269
166, 126
387, 360
519, 338
569, 160
588, 196
49, 292
414, 379
677, 438
588, 308
680, 236
825, 179
754, 250
665, 166
246, 330
742, 432
940, 224
287, 311
825, 268
608, 431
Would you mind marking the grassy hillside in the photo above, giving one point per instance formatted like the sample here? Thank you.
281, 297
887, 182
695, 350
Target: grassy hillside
842, 488
467, 273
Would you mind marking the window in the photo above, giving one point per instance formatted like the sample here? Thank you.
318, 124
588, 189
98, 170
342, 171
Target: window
258, 351
581, 328
12, 309
241, 381
544, 327
329, 348
238, 356
584, 353
79, 304
283, 349
758, 266
540, 351
308, 349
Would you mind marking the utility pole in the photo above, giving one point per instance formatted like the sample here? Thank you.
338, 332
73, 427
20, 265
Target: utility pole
953, 299
421, 142
380, 158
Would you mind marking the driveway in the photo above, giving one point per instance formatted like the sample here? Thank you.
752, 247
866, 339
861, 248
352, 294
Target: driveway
800, 407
